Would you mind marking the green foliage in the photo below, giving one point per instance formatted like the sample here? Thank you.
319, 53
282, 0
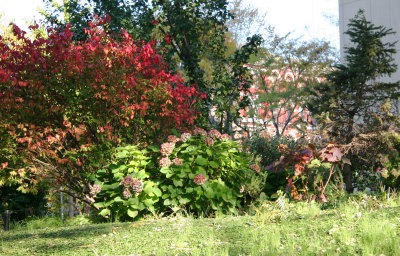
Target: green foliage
368, 180
350, 104
266, 147
20, 204
267, 150
206, 173
126, 188
391, 163
352, 92
309, 170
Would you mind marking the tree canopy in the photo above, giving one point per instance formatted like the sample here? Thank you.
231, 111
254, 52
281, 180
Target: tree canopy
192, 36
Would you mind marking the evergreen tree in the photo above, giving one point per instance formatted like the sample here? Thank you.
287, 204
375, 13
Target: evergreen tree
350, 97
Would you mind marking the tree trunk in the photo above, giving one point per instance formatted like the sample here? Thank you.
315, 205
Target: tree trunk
347, 172
71, 207
348, 178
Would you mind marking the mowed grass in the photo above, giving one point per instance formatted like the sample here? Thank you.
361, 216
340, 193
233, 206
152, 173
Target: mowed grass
274, 229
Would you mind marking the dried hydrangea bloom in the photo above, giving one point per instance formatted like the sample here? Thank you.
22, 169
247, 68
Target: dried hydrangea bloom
225, 136
209, 141
126, 181
214, 134
185, 136
167, 148
165, 162
384, 173
173, 139
137, 186
178, 161
199, 179
255, 167
199, 131
127, 193
95, 189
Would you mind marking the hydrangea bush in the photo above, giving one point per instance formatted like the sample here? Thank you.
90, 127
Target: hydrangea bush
124, 189
203, 172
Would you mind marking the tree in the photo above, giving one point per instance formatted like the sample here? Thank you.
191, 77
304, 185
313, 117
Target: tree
192, 35
65, 105
350, 97
285, 72
246, 21
123, 15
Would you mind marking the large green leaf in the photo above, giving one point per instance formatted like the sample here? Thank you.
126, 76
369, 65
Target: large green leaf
213, 164
201, 161
178, 183
148, 202
132, 213
315, 163
118, 199
157, 192
184, 200
148, 188
104, 212
99, 204
154, 148
133, 201
165, 170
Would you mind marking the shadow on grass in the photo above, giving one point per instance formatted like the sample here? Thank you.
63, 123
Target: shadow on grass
53, 249
66, 232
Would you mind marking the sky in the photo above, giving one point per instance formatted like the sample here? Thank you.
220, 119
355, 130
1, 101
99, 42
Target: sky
308, 19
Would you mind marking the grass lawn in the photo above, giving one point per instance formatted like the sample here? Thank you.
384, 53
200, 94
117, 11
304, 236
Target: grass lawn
274, 229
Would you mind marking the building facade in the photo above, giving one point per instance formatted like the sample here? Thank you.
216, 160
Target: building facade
380, 12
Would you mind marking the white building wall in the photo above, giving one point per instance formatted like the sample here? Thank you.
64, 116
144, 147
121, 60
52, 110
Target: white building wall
380, 12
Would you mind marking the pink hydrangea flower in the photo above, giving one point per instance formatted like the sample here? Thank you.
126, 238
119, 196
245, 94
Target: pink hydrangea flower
94, 190
126, 181
127, 193
173, 138
185, 136
255, 167
165, 162
137, 186
209, 141
178, 161
214, 134
225, 137
167, 148
199, 179
199, 131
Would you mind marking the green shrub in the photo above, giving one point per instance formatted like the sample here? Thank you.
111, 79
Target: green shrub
266, 148
124, 189
22, 205
367, 180
204, 172
391, 163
